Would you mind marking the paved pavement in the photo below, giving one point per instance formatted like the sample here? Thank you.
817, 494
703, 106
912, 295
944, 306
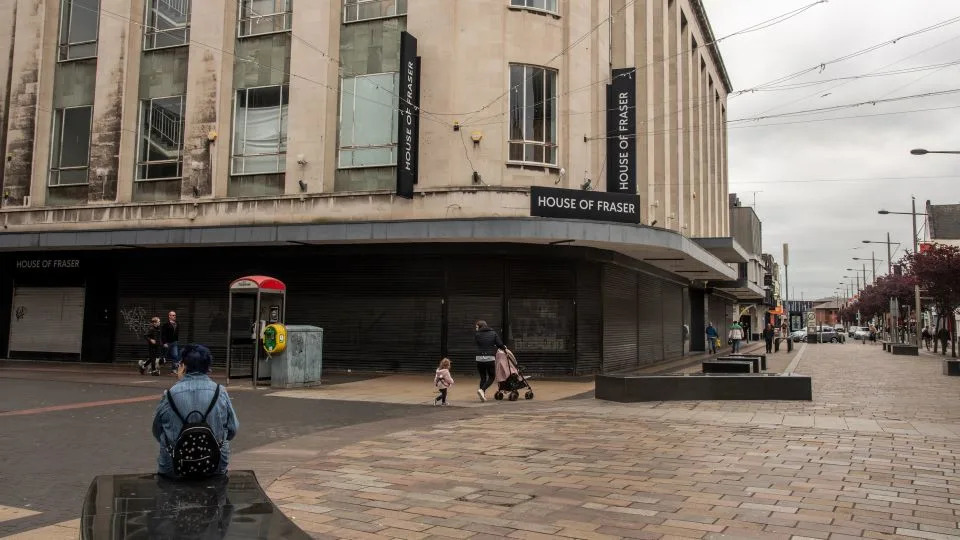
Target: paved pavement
875, 454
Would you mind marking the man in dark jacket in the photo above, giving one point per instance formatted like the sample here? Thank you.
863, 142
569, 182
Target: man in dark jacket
154, 350
768, 335
943, 335
170, 337
488, 343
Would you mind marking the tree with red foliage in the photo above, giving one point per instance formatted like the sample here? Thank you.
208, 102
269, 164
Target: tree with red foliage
938, 272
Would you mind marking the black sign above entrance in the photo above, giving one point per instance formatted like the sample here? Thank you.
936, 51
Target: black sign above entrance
622, 132
409, 125
579, 204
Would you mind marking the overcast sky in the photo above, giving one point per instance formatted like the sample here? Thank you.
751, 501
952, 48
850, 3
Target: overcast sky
821, 183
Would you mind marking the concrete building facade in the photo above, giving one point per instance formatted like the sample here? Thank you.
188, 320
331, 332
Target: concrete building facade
265, 135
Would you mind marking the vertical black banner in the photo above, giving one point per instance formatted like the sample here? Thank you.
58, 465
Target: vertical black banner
408, 136
622, 132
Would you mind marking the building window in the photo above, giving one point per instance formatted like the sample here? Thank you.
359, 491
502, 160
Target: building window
260, 130
368, 120
70, 158
542, 5
167, 24
79, 22
258, 17
364, 10
533, 115
160, 153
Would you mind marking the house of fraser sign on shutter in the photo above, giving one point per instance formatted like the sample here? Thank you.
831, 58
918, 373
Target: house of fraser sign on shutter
43, 264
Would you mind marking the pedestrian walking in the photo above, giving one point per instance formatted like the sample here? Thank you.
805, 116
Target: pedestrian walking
873, 333
154, 350
712, 337
488, 343
943, 335
170, 338
927, 337
735, 335
442, 381
768, 337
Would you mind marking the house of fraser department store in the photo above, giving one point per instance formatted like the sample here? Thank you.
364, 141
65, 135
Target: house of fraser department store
387, 159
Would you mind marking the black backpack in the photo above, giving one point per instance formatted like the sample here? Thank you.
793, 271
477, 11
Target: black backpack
196, 452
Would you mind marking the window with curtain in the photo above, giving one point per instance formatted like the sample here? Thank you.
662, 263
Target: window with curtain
160, 152
544, 5
260, 130
533, 115
258, 17
166, 24
70, 146
79, 24
368, 120
364, 10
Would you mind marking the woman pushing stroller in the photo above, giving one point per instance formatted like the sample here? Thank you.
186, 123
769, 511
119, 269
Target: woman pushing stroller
488, 343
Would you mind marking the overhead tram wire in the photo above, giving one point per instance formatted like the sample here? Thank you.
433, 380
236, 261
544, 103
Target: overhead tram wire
752, 28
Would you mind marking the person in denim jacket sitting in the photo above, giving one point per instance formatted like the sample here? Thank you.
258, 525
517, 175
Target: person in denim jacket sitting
194, 392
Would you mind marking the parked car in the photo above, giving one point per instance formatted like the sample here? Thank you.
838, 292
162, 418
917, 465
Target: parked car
851, 332
798, 335
861, 334
825, 334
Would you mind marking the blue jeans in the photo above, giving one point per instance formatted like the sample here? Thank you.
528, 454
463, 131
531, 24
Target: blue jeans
736, 345
173, 354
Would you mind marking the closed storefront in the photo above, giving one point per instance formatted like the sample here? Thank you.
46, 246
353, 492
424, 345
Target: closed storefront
619, 319
650, 325
46, 321
673, 322
720, 315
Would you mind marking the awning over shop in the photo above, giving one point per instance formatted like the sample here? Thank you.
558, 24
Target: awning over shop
660, 248
724, 248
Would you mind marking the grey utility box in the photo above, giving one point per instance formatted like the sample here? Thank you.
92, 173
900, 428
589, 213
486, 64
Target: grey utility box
301, 363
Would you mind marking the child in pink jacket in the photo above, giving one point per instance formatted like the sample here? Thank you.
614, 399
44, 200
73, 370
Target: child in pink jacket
442, 380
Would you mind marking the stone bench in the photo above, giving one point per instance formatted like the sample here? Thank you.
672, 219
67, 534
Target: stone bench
719, 365
762, 366
951, 366
701, 386
904, 349
150, 506
886, 345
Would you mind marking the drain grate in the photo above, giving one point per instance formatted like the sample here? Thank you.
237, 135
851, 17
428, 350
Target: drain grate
514, 451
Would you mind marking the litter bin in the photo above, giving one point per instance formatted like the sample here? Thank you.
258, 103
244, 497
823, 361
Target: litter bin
301, 362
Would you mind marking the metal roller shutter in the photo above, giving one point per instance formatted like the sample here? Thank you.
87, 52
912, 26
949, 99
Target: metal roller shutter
474, 292
47, 320
541, 328
672, 320
378, 313
589, 319
619, 319
650, 323
720, 316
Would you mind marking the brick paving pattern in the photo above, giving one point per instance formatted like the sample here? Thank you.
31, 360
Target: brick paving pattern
874, 455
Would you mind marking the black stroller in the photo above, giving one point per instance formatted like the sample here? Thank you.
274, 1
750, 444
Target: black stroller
509, 378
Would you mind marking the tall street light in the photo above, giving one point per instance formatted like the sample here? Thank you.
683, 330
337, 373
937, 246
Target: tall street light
873, 264
855, 271
889, 255
913, 212
923, 152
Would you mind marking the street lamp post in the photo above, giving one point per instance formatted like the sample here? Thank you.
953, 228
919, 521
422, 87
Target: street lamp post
913, 213
857, 275
922, 152
873, 265
889, 255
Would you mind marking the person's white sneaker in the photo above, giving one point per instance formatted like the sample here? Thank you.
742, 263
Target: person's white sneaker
480, 393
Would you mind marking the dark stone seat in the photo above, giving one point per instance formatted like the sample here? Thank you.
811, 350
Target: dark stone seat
719, 365
761, 364
150, 506
904, 349
951, 366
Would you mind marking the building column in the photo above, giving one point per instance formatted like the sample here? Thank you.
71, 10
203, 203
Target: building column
109, 94
209, 77
658, 79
